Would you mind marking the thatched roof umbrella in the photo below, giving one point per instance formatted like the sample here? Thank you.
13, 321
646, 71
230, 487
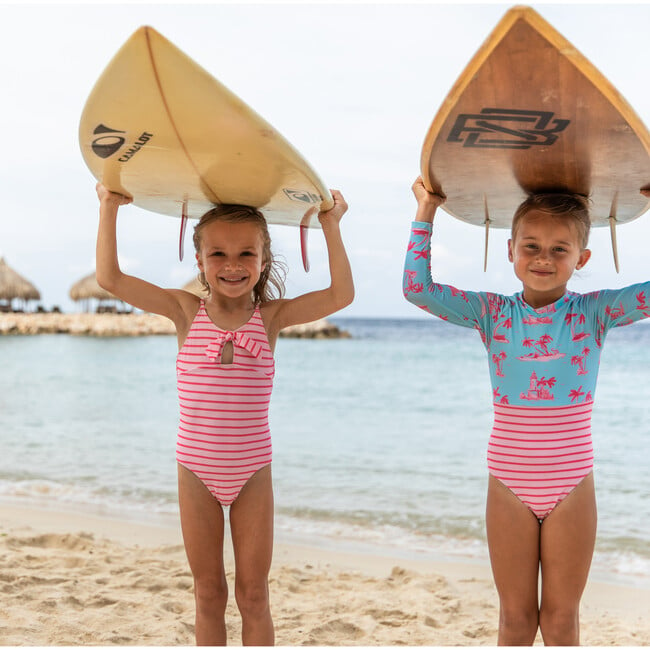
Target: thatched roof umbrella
195, 287
87, 289
13, 285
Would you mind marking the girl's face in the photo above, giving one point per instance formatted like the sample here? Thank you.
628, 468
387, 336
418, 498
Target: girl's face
545, 252
231, 257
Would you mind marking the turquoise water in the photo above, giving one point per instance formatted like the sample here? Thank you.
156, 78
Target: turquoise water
379, 439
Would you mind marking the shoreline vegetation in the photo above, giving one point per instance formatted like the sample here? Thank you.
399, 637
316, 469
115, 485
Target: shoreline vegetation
131, 324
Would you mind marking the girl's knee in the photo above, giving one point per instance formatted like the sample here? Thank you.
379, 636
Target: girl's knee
252, 597
518, 625
211, 594
560, 625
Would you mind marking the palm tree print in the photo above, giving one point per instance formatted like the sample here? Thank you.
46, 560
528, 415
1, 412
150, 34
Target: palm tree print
498, 360
579, 360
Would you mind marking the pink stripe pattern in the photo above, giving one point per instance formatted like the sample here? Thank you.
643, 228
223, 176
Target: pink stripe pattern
541, 454
224, 435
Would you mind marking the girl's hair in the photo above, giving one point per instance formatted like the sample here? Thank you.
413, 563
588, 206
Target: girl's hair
271, 282
570, 206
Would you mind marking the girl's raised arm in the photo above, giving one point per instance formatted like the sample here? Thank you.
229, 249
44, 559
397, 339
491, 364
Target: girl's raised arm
139, 293
318, 304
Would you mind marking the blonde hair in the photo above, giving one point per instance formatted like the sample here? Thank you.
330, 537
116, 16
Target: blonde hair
271, 282
574, 207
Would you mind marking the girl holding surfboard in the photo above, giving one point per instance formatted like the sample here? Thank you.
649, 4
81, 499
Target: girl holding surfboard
544, 347
225, 370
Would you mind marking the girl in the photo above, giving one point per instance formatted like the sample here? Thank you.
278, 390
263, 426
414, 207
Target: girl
225, 373
543, 346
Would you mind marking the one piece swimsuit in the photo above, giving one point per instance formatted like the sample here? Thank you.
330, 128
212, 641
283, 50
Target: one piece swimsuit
543, 368
224, 435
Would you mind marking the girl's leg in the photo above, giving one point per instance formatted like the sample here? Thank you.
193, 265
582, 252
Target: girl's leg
513, 540
202, 523
251, 525
567, 545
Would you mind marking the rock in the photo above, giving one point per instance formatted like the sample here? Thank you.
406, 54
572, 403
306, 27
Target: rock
86, 324
318, 329
132, 325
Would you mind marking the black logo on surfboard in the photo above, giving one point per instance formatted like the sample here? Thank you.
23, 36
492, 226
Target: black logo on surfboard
499, 128
108, 142
302, 196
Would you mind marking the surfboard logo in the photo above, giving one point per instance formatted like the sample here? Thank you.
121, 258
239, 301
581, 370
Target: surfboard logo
500, 128
108, 142
302, 196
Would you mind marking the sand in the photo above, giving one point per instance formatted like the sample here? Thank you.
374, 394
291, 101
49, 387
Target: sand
73, 579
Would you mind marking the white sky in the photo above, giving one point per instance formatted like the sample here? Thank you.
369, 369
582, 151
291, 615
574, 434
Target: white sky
353, 87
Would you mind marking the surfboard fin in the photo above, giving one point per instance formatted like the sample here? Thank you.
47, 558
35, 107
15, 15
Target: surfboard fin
181, 237
304, 230
612, 229
487, 234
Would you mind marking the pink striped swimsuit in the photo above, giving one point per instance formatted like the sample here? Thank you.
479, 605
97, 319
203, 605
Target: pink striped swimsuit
224, 435
541, 454
543, 368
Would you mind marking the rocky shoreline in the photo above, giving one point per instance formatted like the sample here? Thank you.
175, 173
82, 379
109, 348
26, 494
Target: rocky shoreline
130, 324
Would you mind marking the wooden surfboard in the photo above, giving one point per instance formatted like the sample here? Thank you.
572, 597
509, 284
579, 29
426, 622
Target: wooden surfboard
531, 114
159, 128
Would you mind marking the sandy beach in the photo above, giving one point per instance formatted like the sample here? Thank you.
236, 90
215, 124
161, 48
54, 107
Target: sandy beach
72, 579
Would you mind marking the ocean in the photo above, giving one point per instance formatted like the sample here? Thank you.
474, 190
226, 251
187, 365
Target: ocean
379, 440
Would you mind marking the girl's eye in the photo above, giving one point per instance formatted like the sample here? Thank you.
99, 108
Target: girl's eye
560, 250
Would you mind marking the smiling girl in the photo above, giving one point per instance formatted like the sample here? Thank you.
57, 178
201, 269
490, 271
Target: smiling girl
225, 368
544, 346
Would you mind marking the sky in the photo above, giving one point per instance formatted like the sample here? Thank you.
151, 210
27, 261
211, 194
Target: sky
354, 87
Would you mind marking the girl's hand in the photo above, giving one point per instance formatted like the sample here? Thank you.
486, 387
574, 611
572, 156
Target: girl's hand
113, 198
424, 197
428, 202
336, 212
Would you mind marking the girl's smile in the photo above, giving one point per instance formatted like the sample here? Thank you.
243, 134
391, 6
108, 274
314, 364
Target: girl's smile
231, 257
545, 252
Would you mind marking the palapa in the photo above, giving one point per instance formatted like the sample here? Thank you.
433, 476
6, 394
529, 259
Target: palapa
13, 285
194, 286
88, 288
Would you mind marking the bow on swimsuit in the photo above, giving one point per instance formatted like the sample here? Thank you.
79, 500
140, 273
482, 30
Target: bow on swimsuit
543, 367
224, 435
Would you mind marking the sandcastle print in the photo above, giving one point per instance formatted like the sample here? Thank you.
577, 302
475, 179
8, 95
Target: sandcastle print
539, 389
